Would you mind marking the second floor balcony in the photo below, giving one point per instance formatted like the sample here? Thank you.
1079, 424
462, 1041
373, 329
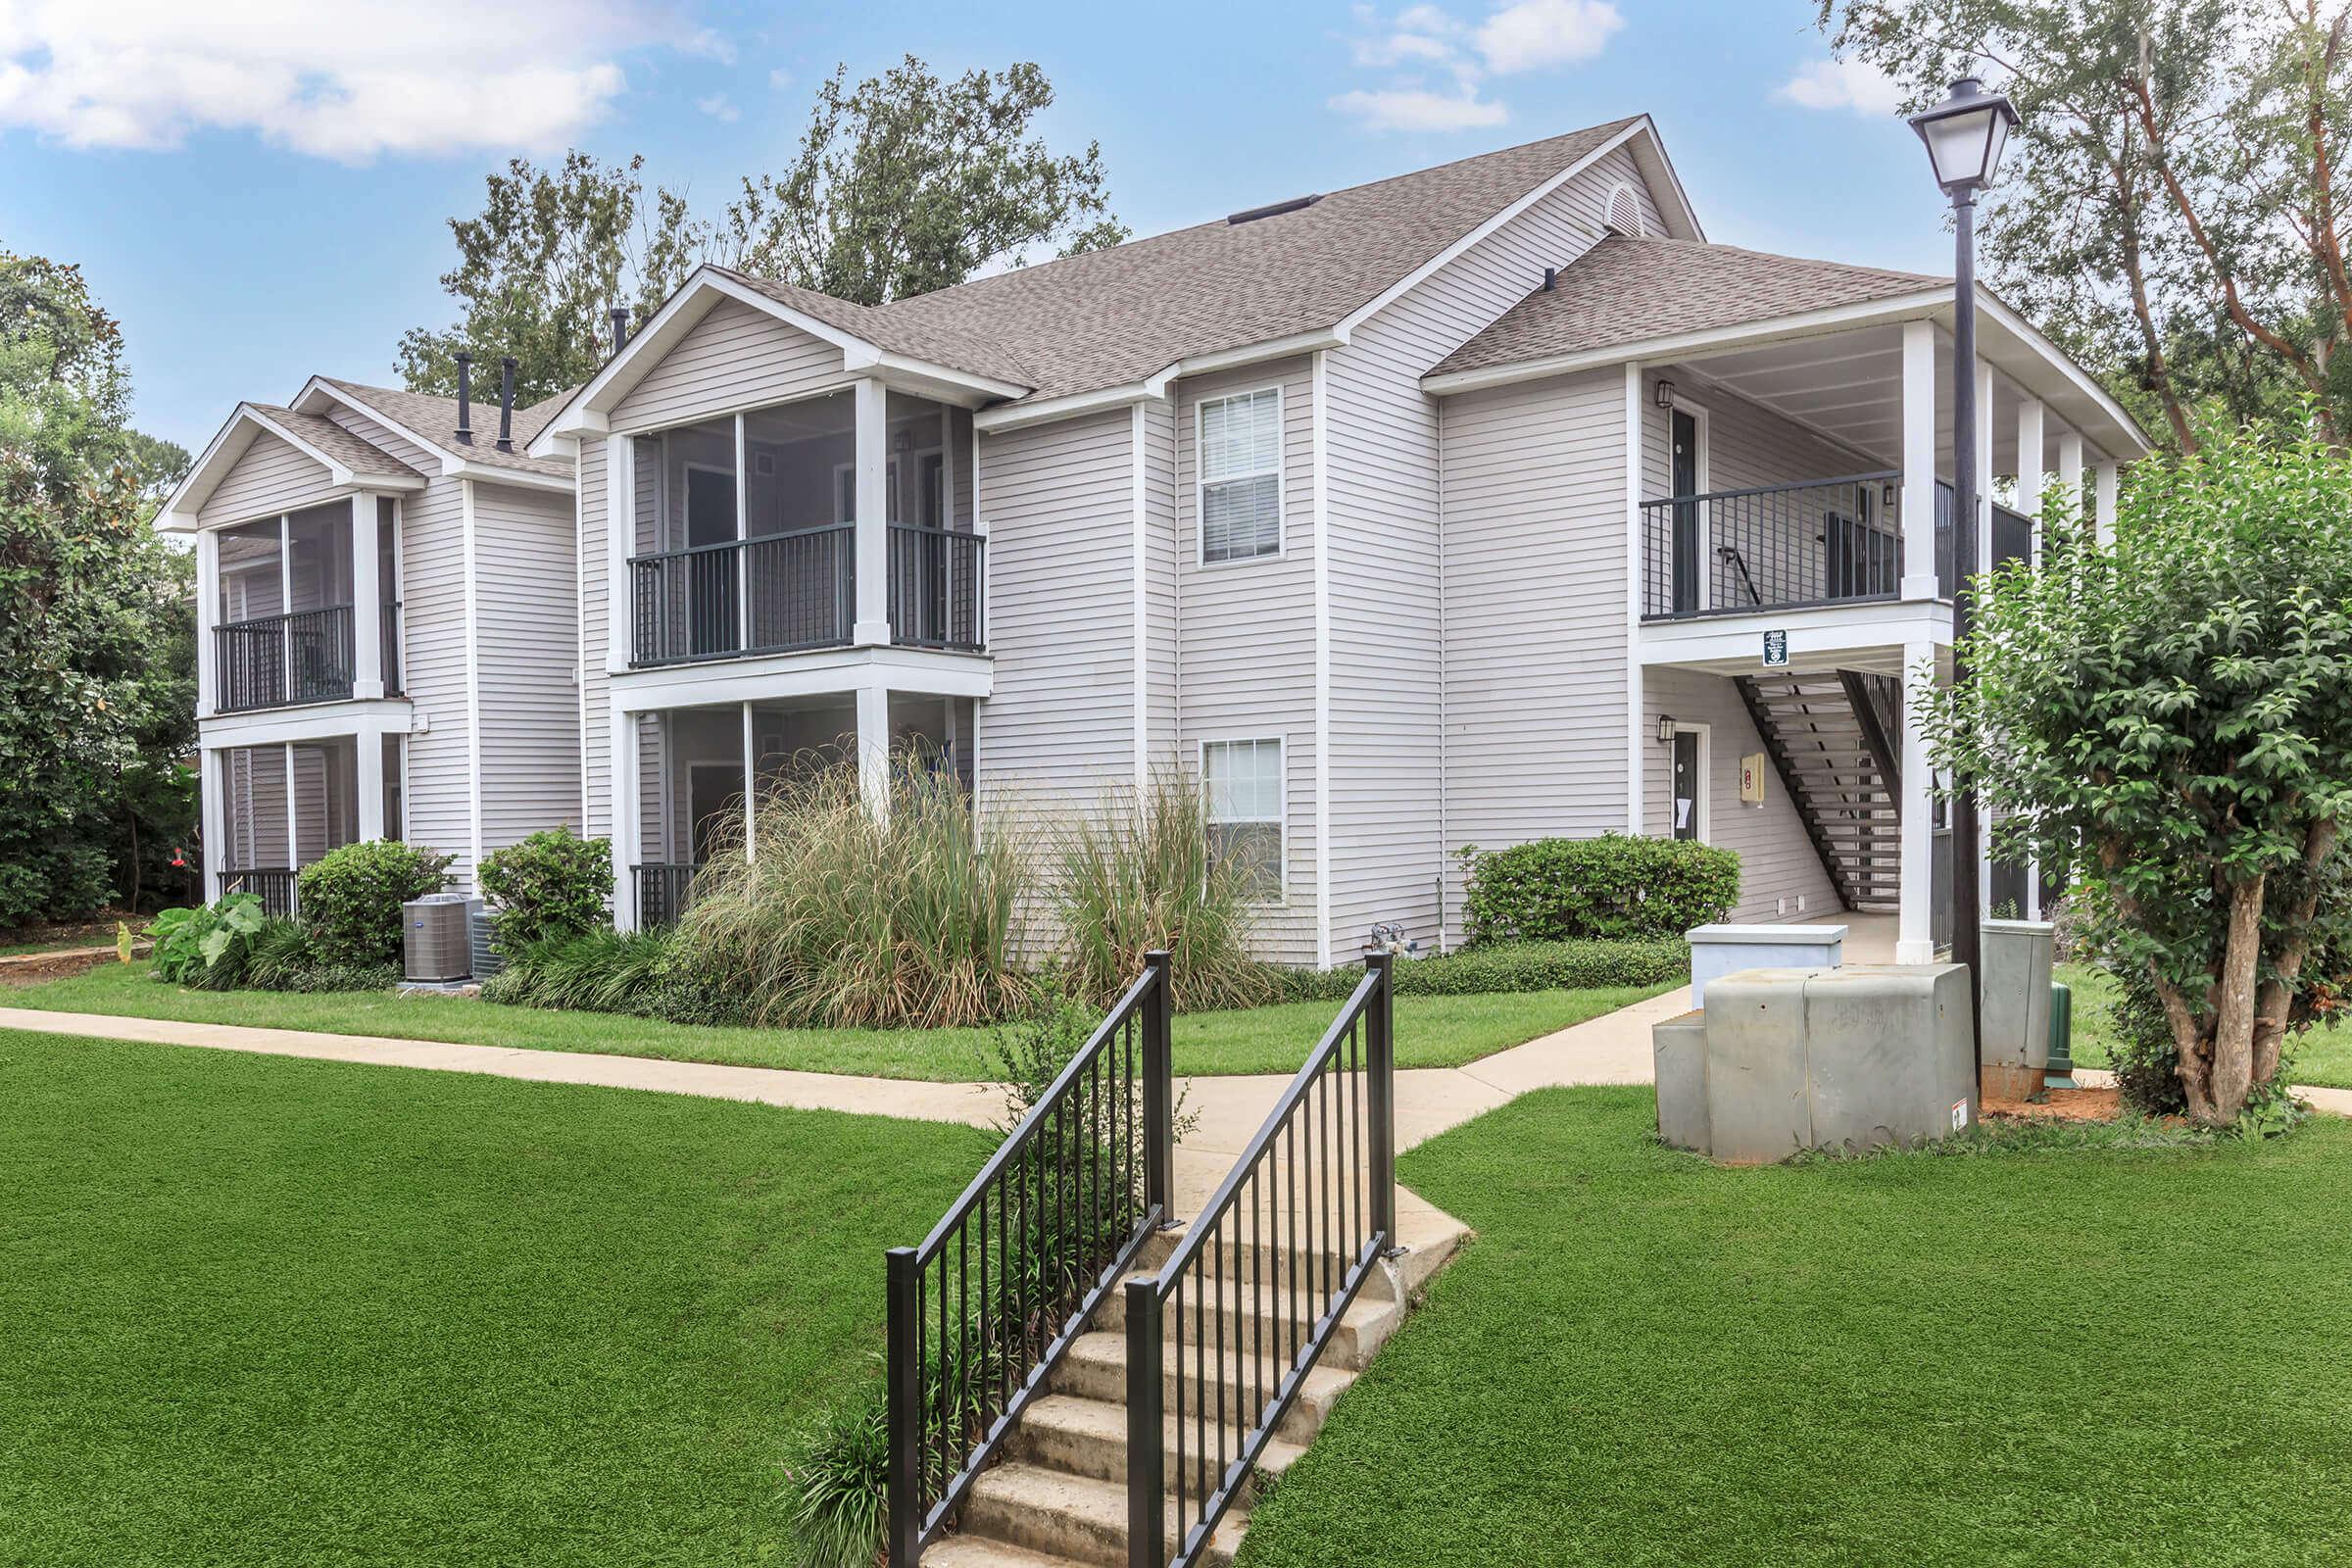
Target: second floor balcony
288, 627
830, 522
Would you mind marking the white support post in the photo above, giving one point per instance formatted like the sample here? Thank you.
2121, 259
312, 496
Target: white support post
1919, 460
751, 763
2104, 485
285, 612
212, 782
627, 806
368, 762
620, 534
293, 811
742, 559
873, 627
208, 619
2030, 469
1633, 598
1915, 919
366, 607
2069, 473
873, 749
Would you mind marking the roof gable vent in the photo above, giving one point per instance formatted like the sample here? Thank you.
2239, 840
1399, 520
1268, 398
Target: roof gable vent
1624, 212
1273, 209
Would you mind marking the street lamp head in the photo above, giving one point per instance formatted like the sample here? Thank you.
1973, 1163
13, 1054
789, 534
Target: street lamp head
1965, 134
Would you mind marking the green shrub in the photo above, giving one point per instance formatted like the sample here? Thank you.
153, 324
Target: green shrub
2145, 1058
1612, 886
207, 947
554, 884
350, 898
1135, 874
837, 1487
1511, 966
840, 921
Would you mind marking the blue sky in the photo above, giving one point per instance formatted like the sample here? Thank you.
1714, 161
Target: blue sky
263, 198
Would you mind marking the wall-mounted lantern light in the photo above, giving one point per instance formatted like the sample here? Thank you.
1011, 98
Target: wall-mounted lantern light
1665, 730
1665, 394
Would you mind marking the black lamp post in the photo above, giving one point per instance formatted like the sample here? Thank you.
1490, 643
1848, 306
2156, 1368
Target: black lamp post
1964, 135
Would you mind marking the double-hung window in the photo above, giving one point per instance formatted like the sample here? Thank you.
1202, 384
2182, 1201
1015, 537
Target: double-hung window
1241, 476
1243, 781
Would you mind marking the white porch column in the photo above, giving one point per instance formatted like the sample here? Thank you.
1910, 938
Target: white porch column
750, 761
211, 820
366, 610
1919, 460
1633, 601
873, 748
367, 760
208, 616
2069, 473
627, 808
1915, 918
2104, 486
620, 534
2029, 467
293, 811
873, 501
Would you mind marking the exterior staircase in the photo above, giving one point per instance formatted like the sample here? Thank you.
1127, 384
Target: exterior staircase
1833, 738
1058, 1499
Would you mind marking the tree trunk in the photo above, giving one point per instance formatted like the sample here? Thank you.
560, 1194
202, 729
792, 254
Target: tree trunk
2230, 1070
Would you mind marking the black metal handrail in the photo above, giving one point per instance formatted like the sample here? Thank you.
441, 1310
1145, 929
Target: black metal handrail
273, 885
936, 583
981, 1312
665, 888
1298, 1224
778, 593
274, 661
1821, 541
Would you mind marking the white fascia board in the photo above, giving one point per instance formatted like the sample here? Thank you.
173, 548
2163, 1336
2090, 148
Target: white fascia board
772, 677
1699, 343
1454, 252
179, 513
689, 305
275, 726
1073, 405
184, 500
959, 385
1735, 643
1653, 149
2077, 378
1014, 415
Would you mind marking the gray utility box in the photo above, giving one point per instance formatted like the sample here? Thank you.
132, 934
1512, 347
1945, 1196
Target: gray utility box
437, 937
1720, 949
1789, 1059
2016, 984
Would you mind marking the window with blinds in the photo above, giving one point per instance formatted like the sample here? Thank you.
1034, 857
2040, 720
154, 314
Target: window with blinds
1243, 782
1241, 476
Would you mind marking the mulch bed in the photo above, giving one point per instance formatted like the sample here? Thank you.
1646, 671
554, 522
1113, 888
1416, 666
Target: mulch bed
2061, 1105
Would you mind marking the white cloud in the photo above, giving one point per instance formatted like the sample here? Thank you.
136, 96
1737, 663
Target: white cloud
708, 43
348, 81
1418, 109
718, 106
1537, 34
1423, 40
1841, 84
779, 78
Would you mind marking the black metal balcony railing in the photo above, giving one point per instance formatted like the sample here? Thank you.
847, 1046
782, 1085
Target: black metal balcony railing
935, 588
1826, 541
273, 660
273, 885
663, 890
790, 592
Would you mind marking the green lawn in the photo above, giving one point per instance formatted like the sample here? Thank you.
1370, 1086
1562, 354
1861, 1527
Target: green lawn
13, 950
2070, 1356
1431, 1031
2321, 1056
257, 1310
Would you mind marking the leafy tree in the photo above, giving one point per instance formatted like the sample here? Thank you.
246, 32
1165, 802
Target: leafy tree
95, 688
902, 184
2173, 716
2171, 208
549, 253
907, 183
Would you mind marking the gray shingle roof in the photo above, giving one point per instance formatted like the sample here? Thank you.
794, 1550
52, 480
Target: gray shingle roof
941, 343
1114, 317
435, 419
354, 453
1623, 291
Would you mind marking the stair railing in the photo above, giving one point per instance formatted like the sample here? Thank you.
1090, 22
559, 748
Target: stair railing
1274, 1260
981, 1312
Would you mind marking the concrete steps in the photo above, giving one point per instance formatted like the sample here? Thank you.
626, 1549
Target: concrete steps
1058, 1499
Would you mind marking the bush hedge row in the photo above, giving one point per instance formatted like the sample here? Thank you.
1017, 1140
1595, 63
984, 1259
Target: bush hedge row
1512, 966
1614, 886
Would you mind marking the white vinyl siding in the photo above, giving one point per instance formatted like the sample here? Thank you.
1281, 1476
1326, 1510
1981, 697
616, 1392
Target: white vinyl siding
736, 357
1243, 782
273, 476
1241, 476
527, 643
1776, 859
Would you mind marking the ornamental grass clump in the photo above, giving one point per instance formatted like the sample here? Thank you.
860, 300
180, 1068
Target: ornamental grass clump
1137, 873
842, 918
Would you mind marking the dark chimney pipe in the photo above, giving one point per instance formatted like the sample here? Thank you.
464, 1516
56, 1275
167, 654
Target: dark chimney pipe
1552, 277
464, 400
621, 328
506, 404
